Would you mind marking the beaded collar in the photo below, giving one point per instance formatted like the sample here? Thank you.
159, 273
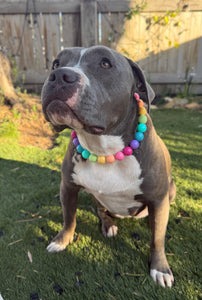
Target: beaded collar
127, 151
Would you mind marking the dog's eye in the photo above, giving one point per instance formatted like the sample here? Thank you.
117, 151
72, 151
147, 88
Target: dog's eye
55, 64
105, 64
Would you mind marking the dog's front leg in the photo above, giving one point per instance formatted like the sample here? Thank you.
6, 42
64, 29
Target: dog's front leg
159, 267
69, 197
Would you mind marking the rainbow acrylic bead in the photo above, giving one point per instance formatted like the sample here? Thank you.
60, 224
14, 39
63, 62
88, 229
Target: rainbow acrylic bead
101, 159
142, 119
119, 155
139, 136
142, 127
93, 158
110, 159
127, 151
73, 134
79, 149
134, 144
85, 154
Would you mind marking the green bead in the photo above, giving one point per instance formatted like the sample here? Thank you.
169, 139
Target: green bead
85, 154
142, 119
93, 158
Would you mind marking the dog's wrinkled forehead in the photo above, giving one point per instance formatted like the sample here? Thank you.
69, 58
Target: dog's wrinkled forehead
78, 56
122, 74
72, 55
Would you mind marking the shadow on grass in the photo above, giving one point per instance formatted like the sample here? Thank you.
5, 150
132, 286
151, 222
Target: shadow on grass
92, 266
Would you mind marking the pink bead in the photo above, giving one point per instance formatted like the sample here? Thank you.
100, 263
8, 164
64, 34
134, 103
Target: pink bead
73, 134
137, 97
127, 151
119, 155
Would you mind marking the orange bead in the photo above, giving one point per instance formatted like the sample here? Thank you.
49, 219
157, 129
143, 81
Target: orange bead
110, 159
142, 111
140, 103
101, 159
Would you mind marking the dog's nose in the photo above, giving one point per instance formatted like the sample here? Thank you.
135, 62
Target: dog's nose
63, 76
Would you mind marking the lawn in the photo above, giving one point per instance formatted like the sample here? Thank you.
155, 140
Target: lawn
94, 267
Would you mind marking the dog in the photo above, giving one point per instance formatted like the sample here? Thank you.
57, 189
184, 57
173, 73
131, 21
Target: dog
96, 92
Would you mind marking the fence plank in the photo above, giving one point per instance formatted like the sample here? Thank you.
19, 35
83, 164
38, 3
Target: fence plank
112, 28
71, 30
10, 33
52, 39
88, 23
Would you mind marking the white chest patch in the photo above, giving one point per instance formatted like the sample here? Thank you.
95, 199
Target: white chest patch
113, 185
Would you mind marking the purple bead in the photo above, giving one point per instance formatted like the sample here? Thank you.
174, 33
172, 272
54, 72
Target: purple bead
76, 142
134, 144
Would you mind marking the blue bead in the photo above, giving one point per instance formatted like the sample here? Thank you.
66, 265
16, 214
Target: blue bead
79, 149
141, 127
85, 154
139, 136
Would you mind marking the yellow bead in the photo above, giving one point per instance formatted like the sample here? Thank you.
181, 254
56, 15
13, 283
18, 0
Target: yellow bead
101, 159
142, 111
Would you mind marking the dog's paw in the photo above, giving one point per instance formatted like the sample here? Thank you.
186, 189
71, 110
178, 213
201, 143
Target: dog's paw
61, 241
54, 247
112, 231
164, 279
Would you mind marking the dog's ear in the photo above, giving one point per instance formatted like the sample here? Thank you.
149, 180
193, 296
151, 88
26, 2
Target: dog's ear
142, 87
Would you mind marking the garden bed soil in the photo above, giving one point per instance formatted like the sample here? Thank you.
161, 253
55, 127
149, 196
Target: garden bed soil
27, 115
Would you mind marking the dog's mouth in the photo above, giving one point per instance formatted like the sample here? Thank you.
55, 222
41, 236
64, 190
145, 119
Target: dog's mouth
59, 113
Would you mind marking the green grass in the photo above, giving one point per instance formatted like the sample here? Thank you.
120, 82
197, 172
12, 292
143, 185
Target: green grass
94, 267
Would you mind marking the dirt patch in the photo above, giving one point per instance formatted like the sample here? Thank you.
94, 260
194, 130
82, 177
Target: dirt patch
27, 115
23, 110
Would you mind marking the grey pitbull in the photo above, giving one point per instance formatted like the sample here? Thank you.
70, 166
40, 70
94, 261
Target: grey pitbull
92, 91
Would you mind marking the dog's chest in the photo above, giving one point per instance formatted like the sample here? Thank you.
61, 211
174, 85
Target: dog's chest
113, 185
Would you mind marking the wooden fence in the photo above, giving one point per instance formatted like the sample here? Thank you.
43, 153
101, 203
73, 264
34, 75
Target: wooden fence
168, 46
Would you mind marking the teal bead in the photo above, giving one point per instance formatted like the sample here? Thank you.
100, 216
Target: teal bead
139, 136
141, 127
79, 149
93, 158
85, 154
142, 119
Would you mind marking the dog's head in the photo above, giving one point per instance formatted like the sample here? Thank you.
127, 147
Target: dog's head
92, 89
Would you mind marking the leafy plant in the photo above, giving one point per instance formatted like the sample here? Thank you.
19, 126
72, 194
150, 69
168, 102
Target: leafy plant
188, 80
16, 114
14, 68
135, 10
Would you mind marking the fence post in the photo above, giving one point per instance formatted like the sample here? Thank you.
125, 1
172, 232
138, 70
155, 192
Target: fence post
89, 23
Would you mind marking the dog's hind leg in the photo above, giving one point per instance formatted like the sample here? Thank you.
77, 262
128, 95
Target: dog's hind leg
109, 229
158, 219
